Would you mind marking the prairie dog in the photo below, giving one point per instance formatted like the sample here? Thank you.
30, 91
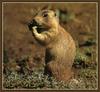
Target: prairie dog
60, 46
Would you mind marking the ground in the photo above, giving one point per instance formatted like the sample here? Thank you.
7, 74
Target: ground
24, 58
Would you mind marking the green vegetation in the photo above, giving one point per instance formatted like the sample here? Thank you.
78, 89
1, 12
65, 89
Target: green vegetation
80, 60
37, 80
90, 42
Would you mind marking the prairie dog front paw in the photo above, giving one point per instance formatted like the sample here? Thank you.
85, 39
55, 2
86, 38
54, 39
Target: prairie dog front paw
34, 29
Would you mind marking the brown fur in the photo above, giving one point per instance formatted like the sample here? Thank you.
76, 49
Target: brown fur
60, 47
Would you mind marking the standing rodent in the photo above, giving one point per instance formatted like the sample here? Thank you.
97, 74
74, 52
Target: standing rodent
60, 47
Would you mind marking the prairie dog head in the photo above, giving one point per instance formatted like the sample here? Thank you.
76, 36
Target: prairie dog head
47, 19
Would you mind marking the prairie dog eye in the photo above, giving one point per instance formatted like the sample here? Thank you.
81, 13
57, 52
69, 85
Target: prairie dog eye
45, 15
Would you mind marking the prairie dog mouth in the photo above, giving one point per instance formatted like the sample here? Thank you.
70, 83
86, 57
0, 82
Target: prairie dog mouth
38, 26
32, 24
